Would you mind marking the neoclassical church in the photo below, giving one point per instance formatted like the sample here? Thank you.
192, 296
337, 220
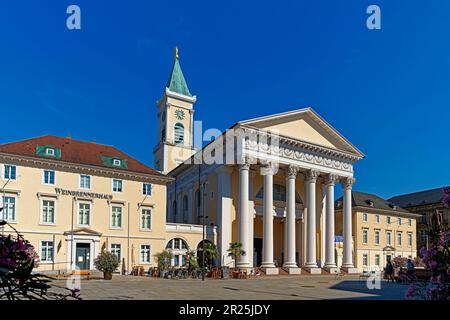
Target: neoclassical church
266, 182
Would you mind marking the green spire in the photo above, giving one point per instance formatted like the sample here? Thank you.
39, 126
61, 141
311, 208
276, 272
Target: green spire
176, 82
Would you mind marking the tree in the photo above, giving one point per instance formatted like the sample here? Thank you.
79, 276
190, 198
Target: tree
436, 259
163, 259
211, 253
107, 263
235, 251
191, 260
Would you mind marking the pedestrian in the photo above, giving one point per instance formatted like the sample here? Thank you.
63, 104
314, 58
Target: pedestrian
389, 271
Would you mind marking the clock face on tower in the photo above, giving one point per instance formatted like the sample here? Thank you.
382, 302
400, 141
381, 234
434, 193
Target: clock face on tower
179, 114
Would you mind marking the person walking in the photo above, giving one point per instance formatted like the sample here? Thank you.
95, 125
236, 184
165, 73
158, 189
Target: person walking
389, 271
410, 270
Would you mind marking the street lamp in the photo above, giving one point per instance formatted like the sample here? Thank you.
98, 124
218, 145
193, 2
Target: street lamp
203, 216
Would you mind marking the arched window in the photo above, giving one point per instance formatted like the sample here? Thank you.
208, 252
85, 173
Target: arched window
197, 206
179, 133
185, 209
279, 194
179, 248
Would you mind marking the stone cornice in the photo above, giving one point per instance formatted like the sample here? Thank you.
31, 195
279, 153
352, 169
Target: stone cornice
27, 161
383, 211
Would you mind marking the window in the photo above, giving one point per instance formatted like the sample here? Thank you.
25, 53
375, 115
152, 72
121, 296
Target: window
146, 219
50, 152
48, 211
49, 177
389, 238
365, 217
377, 237
377, 218
116, 250
145, 253
116, 217
117, 185
9, 209
177, 244
146, 189
423, 219
410, 240
399, 239
176, 260
46, 251
178, 133
365, 236
399, 221
423, 236
84, 214
365, 260
279, 194
10, 172
85, 182
377, 260
388, 220
185, 209
117, 162
410, 222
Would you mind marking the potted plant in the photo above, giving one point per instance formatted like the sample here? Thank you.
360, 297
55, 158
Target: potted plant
107, 262
235, 251
163, 259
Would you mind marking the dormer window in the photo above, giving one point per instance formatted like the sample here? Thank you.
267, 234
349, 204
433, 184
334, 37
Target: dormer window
370, 203
50, 152
117, 162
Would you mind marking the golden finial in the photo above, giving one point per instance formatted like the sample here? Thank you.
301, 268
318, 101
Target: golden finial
176, 53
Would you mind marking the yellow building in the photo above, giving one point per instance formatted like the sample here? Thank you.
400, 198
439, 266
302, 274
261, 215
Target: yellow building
71, 199
381, 231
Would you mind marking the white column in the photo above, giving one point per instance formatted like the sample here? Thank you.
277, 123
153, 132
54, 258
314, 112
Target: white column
251, 219
224, 200
267, 261
330, 262
347, 261
291, 174
243, 218
311, 261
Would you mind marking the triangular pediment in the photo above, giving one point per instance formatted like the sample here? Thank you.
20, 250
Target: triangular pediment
304, 125
83, 231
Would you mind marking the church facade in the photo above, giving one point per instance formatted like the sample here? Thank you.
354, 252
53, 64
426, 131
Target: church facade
267, 183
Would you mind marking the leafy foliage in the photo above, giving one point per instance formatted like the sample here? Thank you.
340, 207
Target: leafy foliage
235, 251
107, 262
163, 259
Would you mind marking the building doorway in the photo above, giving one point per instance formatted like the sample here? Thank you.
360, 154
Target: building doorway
257, 245
83, 256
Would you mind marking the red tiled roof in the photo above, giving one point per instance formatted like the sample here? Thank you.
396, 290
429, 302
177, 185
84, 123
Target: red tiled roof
76, 151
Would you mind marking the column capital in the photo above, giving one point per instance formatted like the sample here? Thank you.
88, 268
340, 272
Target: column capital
311, 175
268, 168
291, 172
348, 182
331, 179
245, 162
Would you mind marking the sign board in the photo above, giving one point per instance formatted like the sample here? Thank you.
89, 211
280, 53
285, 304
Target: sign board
82, 194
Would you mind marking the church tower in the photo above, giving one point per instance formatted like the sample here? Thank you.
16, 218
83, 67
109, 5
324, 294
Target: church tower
176, 122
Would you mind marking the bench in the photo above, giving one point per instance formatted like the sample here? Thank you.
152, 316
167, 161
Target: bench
82, 273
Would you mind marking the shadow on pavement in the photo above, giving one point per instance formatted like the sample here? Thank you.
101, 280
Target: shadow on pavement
387, 291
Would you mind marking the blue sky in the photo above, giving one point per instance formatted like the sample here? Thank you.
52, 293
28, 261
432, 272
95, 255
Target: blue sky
386, 90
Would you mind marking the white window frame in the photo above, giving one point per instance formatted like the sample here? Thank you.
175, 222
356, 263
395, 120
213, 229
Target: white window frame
377, 232
149, 253
399, 243
40, 252
117, 162
50, 152
365, 217
388, 220
7, 195
121, 181
366, 234
409, 222
410, 239
389, 237
144, 190
78, 213
377, 257
377, 218
120, 250
140, 219
366, 256
115, 205
90, 181
399, 221
41, 220
4, 172
43, 177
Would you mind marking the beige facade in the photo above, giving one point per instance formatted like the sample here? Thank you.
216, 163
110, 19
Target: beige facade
70, 212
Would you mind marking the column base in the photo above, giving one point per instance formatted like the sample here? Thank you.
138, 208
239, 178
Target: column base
349, 269
293, 270
313, 270
270, 271
243, 265
331, 269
